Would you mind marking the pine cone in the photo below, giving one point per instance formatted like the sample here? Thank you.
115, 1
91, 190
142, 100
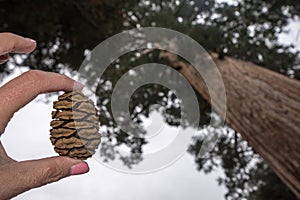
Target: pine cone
75, 128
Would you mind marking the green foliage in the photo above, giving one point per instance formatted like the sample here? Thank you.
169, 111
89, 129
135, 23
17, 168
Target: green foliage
246, 29
246, 175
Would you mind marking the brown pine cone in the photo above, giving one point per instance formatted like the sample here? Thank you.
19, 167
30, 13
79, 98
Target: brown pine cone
75, 127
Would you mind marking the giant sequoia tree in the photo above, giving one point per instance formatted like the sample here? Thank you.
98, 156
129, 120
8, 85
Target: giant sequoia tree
246, 30
264, 107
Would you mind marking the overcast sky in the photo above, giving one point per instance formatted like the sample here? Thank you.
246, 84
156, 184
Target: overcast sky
27, 137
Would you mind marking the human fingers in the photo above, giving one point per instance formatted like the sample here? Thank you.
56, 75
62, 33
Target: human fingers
10, 42
21, 90
4, 158
23, 176
4, 58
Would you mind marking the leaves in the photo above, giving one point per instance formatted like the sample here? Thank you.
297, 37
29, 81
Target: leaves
245, 29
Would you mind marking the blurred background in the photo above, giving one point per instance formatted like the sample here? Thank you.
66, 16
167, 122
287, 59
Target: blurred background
265, 32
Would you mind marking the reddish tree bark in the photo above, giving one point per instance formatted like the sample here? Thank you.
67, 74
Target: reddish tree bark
263, 106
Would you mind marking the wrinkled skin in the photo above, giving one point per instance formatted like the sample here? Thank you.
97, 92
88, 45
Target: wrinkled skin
17, 177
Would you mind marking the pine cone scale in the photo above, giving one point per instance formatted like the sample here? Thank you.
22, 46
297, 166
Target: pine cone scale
75, 128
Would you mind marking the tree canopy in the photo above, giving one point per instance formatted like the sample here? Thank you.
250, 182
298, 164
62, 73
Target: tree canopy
243, 29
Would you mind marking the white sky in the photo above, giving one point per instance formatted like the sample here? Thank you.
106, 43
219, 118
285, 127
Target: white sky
27, 137
293, 37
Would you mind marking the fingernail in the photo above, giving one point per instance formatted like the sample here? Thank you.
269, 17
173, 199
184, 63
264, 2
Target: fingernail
78, 86
80, 168
31, 40
4, 53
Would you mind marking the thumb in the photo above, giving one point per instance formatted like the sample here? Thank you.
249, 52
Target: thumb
26, 175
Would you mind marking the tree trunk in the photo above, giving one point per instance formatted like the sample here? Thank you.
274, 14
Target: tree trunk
264, 107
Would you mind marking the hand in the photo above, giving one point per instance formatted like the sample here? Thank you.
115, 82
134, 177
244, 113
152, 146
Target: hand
11, 43
17, 177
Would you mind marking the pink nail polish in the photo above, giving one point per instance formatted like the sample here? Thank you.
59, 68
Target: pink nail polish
80, 168
78, 86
